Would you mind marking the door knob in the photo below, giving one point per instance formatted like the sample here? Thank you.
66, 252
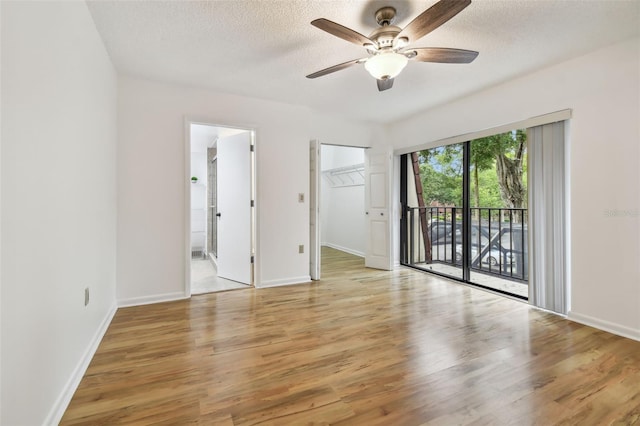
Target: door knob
219, 214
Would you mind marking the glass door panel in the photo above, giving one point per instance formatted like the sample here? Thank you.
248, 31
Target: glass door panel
498, 211
433, 210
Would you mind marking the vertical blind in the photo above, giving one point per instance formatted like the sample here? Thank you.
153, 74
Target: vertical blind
546, 168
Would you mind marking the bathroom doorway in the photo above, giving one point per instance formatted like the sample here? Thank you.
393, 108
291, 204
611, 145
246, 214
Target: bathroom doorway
221, 208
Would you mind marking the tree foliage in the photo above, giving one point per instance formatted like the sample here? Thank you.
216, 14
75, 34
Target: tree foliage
441, 174
507, 153
498, 172
488, 190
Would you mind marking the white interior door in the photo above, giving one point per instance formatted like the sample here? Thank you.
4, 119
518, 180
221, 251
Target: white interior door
234, 208
314, 210
378, 168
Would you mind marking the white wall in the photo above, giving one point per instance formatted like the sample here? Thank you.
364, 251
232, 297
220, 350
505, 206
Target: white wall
151, 260
342, 219
198, 196
58, 204
338, 131
199, 166
198, 190
603, 90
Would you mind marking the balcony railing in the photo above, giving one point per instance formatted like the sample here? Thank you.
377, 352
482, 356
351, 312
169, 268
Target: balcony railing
498, 239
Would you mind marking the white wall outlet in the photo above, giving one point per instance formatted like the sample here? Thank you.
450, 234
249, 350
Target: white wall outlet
301, 248
86, 296
301, 197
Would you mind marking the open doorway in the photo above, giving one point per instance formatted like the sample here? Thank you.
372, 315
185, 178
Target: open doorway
339, 183
221, 208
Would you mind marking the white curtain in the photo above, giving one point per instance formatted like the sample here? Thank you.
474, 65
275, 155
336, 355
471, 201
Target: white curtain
546, 177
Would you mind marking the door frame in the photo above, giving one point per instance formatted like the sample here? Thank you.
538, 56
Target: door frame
318, 179
465, 265
315, 263
255, 222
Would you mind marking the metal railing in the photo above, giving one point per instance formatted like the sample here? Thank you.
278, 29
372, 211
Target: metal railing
498, 239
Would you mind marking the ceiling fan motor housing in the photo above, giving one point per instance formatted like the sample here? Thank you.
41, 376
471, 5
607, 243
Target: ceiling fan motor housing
384, 36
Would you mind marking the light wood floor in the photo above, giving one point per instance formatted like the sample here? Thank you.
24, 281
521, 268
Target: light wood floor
360, 347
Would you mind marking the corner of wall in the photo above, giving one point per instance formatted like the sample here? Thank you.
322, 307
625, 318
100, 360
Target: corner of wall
611, 327
61, 404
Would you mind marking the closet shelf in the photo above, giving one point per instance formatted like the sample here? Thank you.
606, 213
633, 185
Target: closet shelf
345, 176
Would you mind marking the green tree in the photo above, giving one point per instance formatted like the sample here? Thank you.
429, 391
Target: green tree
507, 151
488, 191
498, 168
482, 159
441, 175
439, 187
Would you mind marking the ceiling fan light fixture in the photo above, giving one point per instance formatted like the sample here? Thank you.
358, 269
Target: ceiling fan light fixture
386, 65
386, 44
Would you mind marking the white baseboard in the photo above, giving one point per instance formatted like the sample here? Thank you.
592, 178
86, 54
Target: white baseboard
147, 300
286, 281
611, 327
63, 400
344, 249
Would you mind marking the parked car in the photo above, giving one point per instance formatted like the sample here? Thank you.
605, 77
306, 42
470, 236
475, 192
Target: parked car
440, 232
494, 257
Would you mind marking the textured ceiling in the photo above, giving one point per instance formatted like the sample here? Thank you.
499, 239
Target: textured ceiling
265, 48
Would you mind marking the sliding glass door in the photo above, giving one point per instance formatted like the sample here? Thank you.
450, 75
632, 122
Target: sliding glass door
465, 212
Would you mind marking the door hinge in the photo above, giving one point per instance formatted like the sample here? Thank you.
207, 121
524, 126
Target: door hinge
251, 148
252, 259
253, 204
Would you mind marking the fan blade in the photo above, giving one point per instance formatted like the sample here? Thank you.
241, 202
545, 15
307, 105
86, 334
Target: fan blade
336, 68
442, 55
385, 84
432, 18
343, 32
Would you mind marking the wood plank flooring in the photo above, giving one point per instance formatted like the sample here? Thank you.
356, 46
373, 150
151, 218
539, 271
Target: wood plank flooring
359, 347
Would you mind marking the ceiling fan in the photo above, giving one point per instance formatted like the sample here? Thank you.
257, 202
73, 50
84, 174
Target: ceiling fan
387, 45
